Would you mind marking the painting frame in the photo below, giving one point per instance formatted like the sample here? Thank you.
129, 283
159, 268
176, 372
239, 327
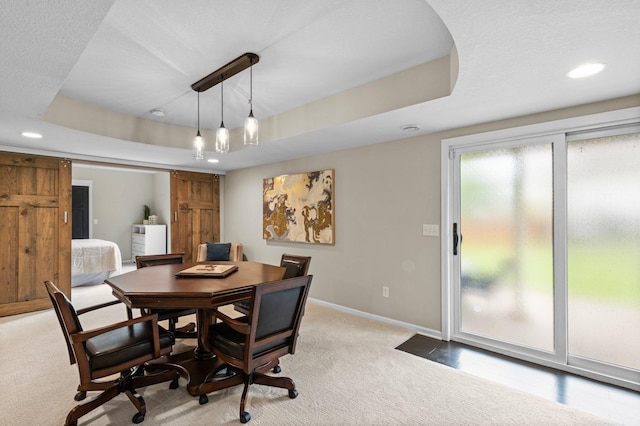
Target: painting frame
299, 207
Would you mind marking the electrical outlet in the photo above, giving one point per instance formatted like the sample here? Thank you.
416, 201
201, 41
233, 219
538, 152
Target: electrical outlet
385, 292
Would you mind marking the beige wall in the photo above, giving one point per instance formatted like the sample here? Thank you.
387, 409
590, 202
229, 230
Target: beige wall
383, 195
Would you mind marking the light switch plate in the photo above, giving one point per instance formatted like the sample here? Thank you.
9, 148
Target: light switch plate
430, 230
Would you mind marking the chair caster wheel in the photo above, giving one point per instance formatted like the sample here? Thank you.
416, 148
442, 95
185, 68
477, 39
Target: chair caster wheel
277, 369
245, 417
173, 384
293, 393
80, 396
203, 399
138, 418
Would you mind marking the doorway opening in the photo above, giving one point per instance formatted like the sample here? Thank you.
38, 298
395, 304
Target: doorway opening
81, 209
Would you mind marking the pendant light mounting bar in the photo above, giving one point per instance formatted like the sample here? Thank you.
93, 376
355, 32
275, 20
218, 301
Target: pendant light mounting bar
239, 64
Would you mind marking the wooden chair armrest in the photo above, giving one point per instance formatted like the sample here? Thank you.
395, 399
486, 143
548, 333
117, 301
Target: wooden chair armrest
85, 335
239, 326
99, 306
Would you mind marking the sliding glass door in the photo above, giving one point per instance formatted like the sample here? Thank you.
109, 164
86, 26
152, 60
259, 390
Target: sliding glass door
505, 259
546, 249
603, 174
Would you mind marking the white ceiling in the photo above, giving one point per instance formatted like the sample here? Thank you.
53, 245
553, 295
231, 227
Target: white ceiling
130, 57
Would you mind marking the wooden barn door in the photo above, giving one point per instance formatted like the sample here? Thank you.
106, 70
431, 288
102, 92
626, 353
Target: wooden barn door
195, 206
35, 230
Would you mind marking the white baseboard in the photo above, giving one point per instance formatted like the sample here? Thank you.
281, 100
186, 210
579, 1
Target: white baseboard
435, 334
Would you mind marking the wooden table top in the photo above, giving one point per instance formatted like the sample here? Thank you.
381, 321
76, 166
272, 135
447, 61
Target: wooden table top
158, 286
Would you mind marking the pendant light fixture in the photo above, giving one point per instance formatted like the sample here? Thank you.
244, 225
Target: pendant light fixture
239, 64
198, 141
222, 134
250, 123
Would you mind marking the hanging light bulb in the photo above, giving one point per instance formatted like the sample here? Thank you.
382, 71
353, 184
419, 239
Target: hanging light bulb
222, 134
251, 123
198, 141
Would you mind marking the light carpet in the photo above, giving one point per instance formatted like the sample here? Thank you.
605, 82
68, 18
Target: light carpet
345, 368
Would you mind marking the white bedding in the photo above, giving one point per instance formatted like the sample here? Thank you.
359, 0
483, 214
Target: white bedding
94, 260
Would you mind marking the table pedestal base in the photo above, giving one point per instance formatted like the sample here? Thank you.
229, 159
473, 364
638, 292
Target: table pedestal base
203, 375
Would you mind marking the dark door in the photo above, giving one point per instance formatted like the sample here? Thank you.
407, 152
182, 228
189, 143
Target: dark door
80, 212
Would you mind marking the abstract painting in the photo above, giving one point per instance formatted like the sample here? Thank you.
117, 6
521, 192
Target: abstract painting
299, 208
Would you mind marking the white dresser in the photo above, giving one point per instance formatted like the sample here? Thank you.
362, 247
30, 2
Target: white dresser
148, 239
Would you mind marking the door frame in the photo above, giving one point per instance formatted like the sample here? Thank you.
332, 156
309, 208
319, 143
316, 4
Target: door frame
449, 181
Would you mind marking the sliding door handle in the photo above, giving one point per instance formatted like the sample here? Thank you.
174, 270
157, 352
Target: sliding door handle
457, 239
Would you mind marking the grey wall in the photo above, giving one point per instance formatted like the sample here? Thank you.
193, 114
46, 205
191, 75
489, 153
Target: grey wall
118, 199
383, 195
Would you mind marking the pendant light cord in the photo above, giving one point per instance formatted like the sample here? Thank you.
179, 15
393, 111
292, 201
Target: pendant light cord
222, 103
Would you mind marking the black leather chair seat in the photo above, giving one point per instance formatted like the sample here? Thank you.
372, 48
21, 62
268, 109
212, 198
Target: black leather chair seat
117, 346
232, 343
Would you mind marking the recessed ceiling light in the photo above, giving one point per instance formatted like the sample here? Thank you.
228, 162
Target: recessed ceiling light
585, 70
32, 135
410, 127
212, 160
157, 112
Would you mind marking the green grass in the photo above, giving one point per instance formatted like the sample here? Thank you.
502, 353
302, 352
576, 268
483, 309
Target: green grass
610, 272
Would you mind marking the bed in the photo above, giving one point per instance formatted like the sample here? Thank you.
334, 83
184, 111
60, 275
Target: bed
93, 260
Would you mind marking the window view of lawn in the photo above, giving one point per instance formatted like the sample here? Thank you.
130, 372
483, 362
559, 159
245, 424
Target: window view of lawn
507, 259
604, 273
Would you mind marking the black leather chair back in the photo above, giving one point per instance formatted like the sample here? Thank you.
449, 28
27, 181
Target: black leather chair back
278, 311
296, 266
276, 314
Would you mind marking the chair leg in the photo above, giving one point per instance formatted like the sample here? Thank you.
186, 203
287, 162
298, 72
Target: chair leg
245, 416
127, 384
82, 409
137, 401
215, 381
276, 382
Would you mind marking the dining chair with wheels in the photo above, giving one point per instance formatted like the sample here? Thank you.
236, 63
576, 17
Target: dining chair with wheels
296, 266
171, 315
251, 345
112, 358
